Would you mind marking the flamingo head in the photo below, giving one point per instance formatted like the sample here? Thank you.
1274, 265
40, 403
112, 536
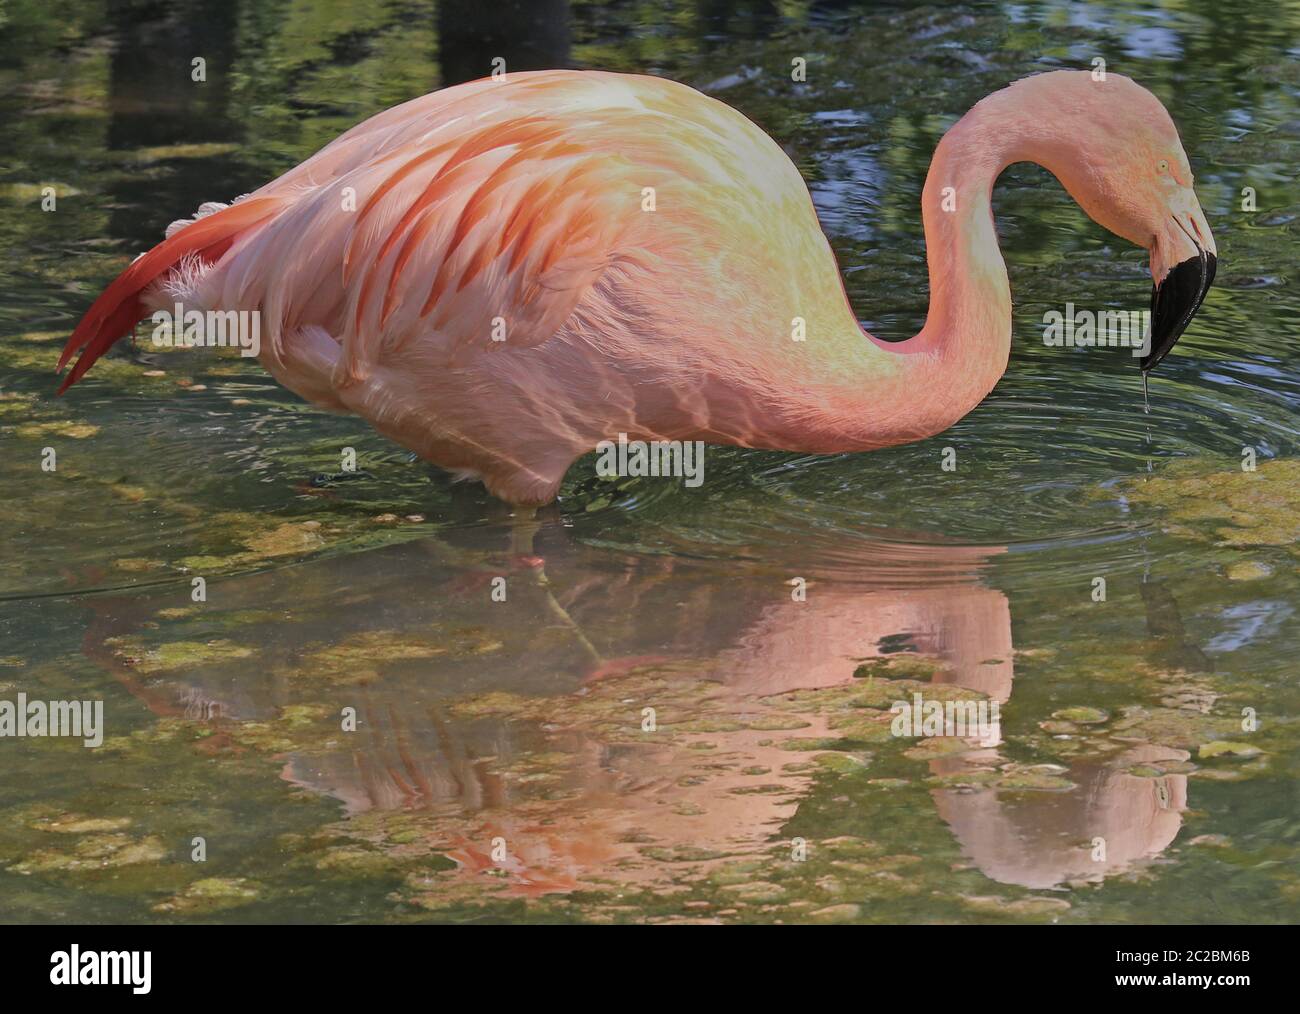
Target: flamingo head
1167, 219
1117, 152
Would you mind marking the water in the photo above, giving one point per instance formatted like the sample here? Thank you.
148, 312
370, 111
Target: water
500, 767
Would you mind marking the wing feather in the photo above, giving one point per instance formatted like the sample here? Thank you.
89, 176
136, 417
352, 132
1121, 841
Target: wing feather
481, 207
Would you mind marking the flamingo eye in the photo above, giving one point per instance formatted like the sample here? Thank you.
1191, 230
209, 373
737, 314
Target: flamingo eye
1164, 165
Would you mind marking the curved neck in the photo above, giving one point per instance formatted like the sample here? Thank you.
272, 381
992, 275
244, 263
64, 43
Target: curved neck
962, 351
895, 392
969, 319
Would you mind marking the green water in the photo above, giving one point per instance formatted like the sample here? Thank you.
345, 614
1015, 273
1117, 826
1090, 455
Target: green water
770, 788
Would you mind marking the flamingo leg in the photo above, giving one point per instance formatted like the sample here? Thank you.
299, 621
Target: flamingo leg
523, 530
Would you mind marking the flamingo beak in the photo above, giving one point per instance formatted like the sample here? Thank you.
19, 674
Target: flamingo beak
1177, 295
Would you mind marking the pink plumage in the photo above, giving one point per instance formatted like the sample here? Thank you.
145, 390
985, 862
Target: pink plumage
503, 274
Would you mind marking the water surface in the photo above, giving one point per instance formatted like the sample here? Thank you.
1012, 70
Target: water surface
500, 768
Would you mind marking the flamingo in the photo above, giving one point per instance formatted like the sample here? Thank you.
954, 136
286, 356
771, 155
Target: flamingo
501, 275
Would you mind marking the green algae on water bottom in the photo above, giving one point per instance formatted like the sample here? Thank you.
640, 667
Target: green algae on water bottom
1213, 501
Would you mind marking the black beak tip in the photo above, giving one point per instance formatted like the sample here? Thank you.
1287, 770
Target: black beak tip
1174, 303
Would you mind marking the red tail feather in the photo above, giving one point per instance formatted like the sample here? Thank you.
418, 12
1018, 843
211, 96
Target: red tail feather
118, 309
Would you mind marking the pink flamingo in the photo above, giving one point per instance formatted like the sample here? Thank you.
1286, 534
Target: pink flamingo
503, 274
